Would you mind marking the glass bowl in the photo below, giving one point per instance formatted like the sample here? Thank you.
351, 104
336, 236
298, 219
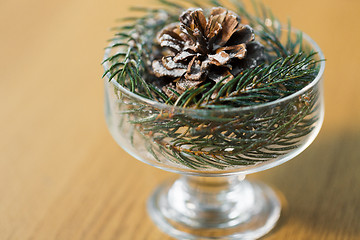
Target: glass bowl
214, 150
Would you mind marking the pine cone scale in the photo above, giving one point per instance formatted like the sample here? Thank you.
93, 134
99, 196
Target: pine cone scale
219, 59
161, 71
245, 34
228, 27
169, 64
182, 56
182, 85
194, 72
199, 20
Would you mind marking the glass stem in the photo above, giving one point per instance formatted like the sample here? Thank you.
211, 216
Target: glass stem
211, 201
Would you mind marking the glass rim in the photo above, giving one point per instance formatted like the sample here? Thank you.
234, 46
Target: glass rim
164, 106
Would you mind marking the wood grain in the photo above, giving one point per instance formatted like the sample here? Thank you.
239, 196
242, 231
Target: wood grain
63, 177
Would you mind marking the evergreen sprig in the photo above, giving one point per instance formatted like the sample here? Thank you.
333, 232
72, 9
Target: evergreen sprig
224, 140
134, 43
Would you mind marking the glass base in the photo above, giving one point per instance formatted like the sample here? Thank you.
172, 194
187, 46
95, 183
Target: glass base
214, 208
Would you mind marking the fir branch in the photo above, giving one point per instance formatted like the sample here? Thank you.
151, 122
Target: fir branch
276, 52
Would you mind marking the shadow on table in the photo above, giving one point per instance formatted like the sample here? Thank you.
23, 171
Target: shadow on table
322, 185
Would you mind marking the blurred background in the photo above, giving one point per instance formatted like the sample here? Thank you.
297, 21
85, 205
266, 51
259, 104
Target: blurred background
62, 176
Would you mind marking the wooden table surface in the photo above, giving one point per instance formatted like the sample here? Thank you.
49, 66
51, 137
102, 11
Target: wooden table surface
63, 177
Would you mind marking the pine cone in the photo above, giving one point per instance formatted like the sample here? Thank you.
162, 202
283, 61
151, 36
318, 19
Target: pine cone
200, 50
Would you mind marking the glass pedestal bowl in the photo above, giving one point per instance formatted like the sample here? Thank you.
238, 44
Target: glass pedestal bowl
214, 150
